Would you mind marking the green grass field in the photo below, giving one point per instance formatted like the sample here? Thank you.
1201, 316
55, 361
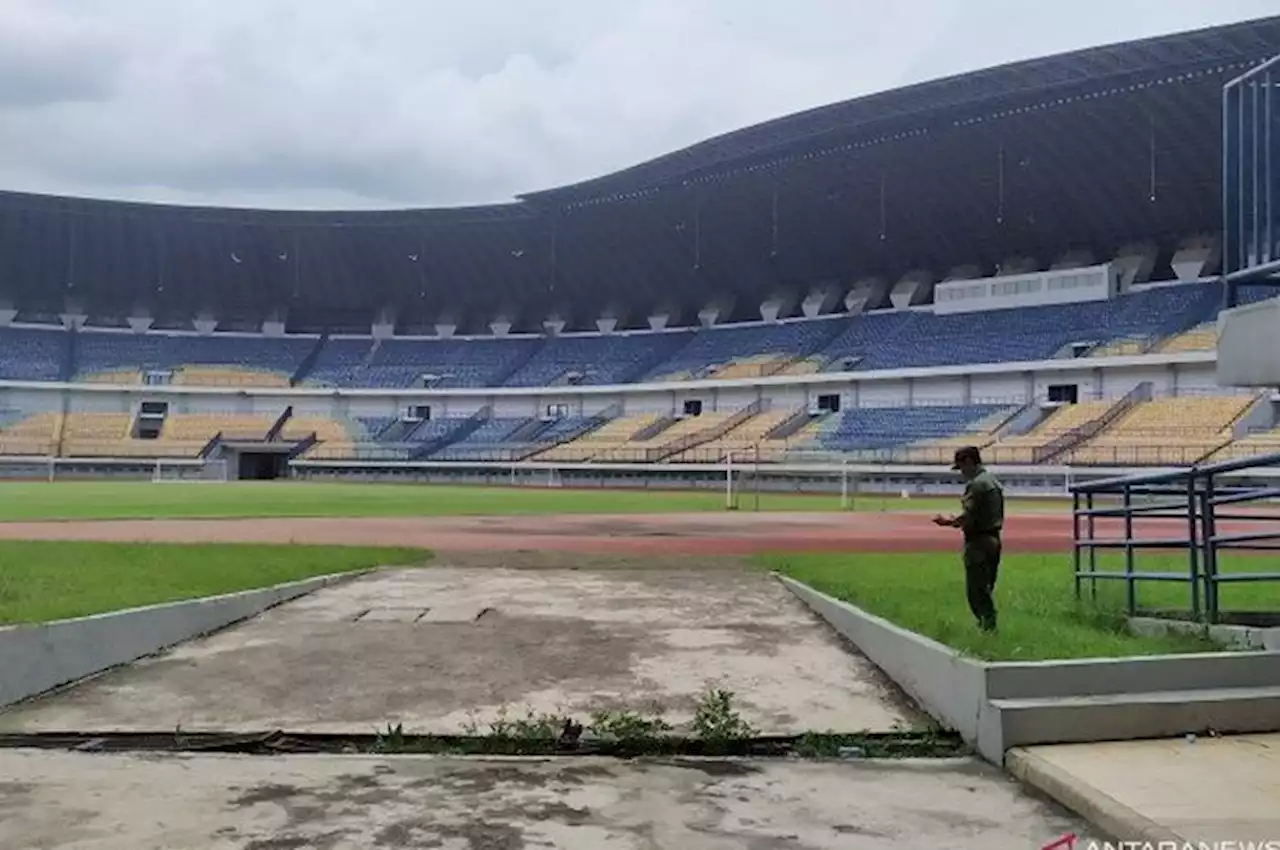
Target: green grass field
1039, 615
42, 581
924, 592
144, 500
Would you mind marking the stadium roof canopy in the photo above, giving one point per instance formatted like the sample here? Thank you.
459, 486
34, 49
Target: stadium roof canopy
1084, 151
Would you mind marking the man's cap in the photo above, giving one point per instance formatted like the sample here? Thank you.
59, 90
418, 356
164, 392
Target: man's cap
967, 453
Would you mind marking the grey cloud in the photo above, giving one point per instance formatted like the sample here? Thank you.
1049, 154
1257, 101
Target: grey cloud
47, 58
434, 102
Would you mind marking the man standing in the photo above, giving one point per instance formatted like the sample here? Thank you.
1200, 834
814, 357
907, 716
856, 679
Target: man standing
981, 520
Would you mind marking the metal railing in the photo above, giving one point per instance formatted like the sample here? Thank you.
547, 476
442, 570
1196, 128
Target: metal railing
1190, 504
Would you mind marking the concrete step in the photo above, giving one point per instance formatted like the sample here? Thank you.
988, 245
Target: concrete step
1154, 714
1013, 680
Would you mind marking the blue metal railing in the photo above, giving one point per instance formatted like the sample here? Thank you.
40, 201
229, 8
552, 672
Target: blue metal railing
1195, 496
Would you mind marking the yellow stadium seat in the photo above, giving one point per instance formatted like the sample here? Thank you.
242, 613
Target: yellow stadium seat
1176, 431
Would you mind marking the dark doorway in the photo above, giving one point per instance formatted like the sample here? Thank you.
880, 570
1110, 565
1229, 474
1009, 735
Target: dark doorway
262, 466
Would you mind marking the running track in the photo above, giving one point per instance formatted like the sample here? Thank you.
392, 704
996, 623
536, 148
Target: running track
676, 534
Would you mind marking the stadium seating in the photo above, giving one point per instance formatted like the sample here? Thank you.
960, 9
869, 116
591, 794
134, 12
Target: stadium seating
1063, 420
1164, 318
37, 434
395, 363
96, 434
742, 440
1203, 337
597, 360
495, 439
920, 338
655, 447
1165, 431
980, 432
717, 347
28, 354
227, 376
876, 432
217, 359
612, 435
1256, 443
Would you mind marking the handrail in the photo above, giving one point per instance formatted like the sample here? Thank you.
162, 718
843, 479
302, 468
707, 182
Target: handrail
1197, 471
706, 435
1066, 442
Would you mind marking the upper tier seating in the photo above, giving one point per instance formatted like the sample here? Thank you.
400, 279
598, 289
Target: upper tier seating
918, 338
880, 431
597, 360
720, 346
456, 362
1203, 337
236, 360
1179, 315
34, 355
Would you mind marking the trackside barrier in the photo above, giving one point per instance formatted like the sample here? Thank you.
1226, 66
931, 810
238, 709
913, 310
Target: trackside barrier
1186, 507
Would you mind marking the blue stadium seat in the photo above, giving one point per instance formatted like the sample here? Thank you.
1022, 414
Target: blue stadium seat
31, 354
398, 363
715, 346
493, 440
98, 351
597, 360
916, 338
864, 429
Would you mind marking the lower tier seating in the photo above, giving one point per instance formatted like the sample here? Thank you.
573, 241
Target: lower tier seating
1165, 431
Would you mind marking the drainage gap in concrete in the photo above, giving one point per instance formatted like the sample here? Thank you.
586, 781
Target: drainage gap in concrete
888, 745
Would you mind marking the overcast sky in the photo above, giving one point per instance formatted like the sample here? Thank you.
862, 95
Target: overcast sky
393, 103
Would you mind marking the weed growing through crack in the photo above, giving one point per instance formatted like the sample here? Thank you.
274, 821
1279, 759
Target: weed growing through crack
718, 729
717, 723
629, 728
389, 740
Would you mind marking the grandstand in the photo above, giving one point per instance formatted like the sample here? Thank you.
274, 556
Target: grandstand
732, 300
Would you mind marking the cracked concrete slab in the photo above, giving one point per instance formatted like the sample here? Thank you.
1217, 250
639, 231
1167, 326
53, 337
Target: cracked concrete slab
109, 802
566, 640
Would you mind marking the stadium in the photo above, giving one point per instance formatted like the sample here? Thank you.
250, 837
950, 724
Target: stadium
800, 322
1025, 259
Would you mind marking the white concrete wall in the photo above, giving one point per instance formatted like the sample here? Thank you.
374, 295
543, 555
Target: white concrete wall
1014, 387
793, 397
36, 658
978, 384
939, 391
883, 394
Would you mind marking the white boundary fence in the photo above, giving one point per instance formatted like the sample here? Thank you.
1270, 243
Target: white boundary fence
739, 479
40, 468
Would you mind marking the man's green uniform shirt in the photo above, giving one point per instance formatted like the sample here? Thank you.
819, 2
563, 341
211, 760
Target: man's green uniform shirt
983, 503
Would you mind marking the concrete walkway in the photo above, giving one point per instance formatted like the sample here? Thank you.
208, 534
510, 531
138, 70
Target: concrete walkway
1197, 792
437, 650
162, 802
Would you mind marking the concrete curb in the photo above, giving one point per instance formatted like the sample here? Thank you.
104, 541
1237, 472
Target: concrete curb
945, 684
41, 657
996, 706
1118, 821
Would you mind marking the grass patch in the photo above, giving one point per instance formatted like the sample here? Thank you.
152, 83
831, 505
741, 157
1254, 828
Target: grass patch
144, 500
1039, 615
41, 581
